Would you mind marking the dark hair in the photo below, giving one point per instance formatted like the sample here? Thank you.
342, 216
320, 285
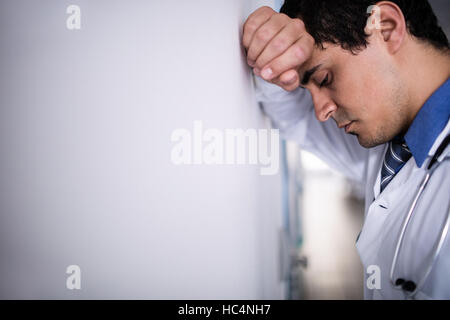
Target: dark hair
342, 22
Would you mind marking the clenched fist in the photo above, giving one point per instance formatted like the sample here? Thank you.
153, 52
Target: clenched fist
276, 46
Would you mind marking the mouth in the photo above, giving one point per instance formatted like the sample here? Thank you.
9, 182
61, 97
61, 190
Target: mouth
347, 126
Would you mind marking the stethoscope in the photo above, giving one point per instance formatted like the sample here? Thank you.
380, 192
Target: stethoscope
409, 287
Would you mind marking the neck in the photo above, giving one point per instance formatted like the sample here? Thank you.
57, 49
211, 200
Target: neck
428, 69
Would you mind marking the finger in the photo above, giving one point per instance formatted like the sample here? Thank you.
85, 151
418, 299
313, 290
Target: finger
293, 58
253, 22
288, 80
264, 35
294, 30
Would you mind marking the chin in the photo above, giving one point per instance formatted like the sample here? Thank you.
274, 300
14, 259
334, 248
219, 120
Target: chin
367, 142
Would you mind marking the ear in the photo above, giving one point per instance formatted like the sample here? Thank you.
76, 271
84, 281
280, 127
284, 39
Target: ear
387, 22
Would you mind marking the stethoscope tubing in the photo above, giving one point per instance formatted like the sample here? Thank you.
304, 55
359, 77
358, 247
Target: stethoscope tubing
438, 247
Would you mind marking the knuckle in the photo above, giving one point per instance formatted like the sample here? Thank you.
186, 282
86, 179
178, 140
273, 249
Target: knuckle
308, 46
265, 9
263, 34
250, 27
279, 44
283, 16
298, 52
298, 24
310, 40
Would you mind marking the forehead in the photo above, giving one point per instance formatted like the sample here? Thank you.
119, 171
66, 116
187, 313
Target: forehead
320, 58
330, 56
321, 55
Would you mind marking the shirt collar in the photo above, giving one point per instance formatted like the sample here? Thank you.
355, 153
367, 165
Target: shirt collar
429, 123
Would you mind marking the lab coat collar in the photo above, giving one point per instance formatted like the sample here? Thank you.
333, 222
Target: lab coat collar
408, 170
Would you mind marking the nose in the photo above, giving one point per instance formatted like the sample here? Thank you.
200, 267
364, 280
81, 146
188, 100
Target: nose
324, 106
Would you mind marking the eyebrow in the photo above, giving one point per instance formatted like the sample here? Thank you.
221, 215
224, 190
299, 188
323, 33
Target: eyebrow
309, 73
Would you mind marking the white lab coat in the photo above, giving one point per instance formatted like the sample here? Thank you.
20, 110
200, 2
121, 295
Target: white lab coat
293, 114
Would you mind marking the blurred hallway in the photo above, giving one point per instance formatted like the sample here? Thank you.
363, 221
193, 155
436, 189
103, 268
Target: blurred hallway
331, 220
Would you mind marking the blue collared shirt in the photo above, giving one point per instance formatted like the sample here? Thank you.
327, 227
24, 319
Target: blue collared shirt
429, 123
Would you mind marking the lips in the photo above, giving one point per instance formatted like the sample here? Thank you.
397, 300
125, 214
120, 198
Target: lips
347, 127
343, 125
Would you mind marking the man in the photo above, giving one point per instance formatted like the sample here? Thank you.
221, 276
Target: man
379, 112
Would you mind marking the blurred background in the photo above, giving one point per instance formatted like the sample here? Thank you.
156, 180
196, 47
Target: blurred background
86, 179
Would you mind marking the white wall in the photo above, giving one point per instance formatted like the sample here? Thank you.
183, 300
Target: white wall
85, 173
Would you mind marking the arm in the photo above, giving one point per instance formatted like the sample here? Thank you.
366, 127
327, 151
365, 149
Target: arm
281, 45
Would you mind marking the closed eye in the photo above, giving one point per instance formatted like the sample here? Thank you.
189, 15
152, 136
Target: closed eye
324, 81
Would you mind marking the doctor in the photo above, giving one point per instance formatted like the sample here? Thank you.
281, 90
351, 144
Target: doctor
377, 109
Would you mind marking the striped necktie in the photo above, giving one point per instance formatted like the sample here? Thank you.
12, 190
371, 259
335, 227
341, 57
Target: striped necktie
396, 156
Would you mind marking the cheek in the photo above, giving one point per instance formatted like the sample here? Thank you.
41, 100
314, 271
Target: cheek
356, 91
369, 79
364, 87
373, 84
357, 102
372, 93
